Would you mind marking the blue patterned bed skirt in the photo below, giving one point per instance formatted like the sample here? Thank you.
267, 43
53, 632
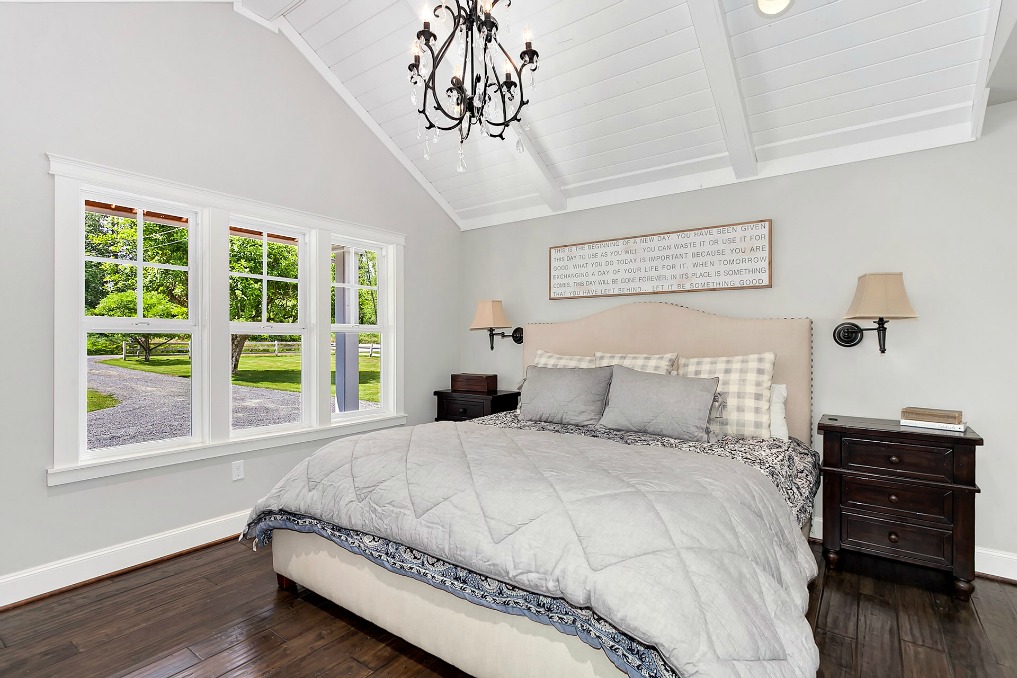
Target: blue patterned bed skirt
628, 654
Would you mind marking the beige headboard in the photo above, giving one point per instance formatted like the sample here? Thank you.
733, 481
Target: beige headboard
667, 328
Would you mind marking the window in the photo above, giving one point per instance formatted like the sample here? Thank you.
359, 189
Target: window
357, 329
199, 325
136, 324
267, 328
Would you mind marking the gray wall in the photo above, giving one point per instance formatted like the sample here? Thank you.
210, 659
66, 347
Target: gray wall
945, 217
198, 94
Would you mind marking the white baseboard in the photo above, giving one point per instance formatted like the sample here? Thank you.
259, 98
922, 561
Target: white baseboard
996, 563
987, 561
35, 581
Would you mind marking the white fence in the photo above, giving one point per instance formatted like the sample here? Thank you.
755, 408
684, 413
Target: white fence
130, 349
276, 348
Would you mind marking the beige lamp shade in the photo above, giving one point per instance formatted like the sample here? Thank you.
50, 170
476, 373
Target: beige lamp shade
490, 315
880, 295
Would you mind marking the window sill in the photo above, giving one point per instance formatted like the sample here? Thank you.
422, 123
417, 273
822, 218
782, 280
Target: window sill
113, 466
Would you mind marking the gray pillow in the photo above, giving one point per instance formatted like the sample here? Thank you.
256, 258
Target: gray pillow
660, 404
575, 396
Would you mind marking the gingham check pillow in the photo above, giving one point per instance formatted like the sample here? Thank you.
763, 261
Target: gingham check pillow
745, 383
657, 364
545, 359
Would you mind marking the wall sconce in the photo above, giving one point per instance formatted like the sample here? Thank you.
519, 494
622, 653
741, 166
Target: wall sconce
879, 297
490, 316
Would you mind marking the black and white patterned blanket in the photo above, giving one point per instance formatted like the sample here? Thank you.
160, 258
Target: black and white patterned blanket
791, 465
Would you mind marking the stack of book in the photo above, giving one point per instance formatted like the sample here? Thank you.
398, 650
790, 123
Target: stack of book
941, 420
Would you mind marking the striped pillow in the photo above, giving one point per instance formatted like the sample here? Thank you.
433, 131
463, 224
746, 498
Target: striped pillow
545, 359
657, 364
745, 382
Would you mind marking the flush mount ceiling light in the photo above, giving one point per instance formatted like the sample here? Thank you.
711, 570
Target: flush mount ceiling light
468, 78
772, 7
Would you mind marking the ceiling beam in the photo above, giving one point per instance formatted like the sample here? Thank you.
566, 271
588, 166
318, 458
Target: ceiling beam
981, 101
264, 12
533, 165
715, 46
536, 169
287, 29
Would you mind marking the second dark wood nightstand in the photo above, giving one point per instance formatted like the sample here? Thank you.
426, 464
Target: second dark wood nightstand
902, 493
464, 405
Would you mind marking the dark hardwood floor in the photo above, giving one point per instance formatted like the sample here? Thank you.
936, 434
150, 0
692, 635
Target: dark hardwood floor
217, 612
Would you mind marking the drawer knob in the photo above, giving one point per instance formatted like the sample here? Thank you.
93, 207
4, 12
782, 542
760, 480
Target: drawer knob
462, 410
894, 499
894, 459
893, 537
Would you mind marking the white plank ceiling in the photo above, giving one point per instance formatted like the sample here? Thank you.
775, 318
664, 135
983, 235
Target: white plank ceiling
637, 98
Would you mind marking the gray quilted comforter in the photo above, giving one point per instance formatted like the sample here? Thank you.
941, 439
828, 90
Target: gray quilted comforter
697, 556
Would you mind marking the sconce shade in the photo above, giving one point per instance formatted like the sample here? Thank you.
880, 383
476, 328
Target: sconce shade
880, 295
490, 315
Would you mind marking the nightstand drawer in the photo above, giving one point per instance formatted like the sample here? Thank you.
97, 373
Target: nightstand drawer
931, 504
923, 544
903, 459
460, 409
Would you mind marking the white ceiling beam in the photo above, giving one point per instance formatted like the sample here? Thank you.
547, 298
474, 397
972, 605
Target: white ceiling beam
286, 28
981, 101
533, 165
239, 8
715, 45
536, 169
269, 10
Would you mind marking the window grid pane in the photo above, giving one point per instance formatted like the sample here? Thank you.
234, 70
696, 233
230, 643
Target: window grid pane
267, 382
138, 388
136, 262
356, 372
264, 276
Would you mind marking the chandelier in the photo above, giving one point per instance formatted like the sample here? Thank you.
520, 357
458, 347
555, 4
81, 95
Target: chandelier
476, 92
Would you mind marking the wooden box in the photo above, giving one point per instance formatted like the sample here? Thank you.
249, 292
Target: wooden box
477, 383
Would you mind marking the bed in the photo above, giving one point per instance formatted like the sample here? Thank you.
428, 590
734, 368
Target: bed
547, 592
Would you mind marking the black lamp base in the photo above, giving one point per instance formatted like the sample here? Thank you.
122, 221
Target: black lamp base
851, 334
848, 334
516, 336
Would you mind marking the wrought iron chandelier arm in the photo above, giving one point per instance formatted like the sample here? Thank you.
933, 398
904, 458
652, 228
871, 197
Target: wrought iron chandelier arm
430, 88
501, 91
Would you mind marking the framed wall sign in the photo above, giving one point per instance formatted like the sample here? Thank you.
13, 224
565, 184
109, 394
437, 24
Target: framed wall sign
730, 257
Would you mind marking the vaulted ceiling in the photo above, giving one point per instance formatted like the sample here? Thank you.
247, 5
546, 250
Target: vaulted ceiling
639, 98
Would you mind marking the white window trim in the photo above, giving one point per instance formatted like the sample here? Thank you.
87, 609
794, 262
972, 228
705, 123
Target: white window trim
212, 359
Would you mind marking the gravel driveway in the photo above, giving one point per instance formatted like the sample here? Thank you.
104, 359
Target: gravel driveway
158, 406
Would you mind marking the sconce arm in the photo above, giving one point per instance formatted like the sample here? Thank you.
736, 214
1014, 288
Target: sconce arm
516, 335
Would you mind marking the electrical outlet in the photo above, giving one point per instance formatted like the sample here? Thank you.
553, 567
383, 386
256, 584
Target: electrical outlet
238, 470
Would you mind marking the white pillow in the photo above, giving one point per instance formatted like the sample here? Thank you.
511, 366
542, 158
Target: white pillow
778, 413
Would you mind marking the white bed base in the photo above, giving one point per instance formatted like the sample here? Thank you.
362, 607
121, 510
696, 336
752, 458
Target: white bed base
491, 644
478, 640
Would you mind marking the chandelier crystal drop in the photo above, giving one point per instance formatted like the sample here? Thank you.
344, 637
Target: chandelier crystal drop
465, 65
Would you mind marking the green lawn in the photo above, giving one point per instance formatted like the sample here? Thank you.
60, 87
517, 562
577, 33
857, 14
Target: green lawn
100, 401
281, 373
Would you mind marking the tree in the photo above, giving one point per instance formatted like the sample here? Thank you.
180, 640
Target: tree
155, 305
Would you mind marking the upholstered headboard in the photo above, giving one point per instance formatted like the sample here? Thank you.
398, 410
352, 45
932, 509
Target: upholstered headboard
667, 328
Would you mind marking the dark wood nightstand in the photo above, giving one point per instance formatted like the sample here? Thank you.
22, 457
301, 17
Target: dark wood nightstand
902, 493
463, 405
